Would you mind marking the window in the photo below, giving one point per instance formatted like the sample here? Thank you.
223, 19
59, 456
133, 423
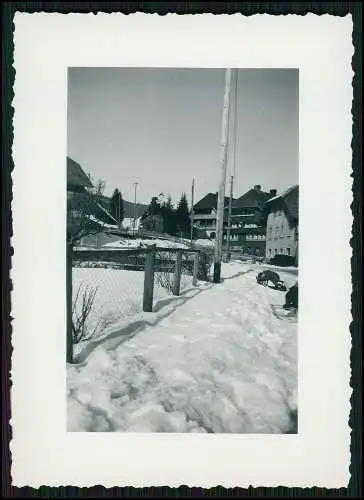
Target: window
281, 250
270, 252
275, 251
288, 251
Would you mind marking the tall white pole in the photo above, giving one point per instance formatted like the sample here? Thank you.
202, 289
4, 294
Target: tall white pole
192, 213
229, 219
221, 195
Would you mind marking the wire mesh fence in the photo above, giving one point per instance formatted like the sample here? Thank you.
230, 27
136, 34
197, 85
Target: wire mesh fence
166, 262
108, 287
118, 294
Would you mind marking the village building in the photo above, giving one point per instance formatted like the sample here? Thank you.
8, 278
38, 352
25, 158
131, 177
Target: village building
247, 228
205, 215
282, 227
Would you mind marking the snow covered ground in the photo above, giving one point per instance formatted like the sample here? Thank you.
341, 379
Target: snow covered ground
216, 359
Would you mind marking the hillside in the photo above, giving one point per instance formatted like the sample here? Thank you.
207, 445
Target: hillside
128, 207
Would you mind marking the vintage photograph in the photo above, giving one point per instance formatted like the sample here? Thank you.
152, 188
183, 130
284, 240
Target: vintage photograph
182, 250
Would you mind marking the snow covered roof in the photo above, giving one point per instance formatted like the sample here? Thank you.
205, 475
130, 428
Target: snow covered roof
107, 213
86, 203
283, 193
290, 198
101, 223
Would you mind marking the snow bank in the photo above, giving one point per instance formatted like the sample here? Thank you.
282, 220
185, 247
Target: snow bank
137, 242
143, 242
204, 243
281, 268
220, 361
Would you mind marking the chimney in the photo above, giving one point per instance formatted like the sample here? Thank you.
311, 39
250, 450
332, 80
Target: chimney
273, 192
257, 187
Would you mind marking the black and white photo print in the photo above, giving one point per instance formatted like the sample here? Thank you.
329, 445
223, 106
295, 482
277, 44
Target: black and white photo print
181, 276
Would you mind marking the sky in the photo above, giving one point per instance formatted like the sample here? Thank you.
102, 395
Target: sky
161, 128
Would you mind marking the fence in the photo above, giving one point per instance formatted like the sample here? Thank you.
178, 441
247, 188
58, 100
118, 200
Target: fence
105, 286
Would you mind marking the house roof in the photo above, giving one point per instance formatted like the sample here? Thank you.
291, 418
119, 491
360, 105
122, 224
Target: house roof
104, 214
252, 198
75, 175
90, 207
290, 198
209, 202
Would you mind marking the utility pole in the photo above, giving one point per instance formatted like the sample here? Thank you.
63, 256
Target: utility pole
134, 219
119, 211
192, 213
229, 220
221, 195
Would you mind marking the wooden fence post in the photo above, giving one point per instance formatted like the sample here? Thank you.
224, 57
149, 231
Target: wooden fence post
202, 268
195, 268
177, 274
148, 281
69, 344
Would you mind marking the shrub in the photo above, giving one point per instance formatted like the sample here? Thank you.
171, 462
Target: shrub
164, 276
80, 314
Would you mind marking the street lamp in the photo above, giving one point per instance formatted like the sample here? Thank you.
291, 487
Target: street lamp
134, 219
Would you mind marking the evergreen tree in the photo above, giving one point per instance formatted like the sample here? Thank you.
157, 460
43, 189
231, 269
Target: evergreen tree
183, 221
154, 207
169, 216
117, 205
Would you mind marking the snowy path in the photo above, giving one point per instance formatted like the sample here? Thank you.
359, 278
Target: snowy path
220, 361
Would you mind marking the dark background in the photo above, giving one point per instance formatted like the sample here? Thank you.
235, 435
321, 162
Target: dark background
8, 10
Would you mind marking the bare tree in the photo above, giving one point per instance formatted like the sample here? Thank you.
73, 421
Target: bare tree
85, 212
